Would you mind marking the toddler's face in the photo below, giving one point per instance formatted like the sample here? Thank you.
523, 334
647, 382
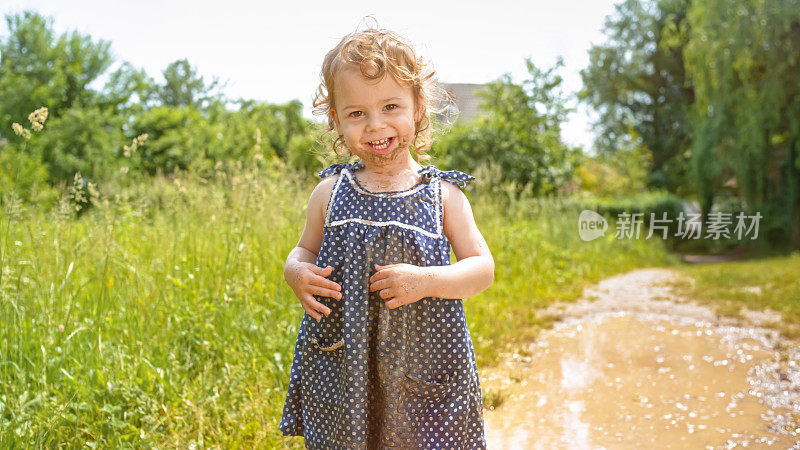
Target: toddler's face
375, 117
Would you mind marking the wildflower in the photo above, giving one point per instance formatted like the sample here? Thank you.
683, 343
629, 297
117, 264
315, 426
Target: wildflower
61, 328
123, 170
37, 118
93, 192
135, 144
19, 130
76, 191
206, 345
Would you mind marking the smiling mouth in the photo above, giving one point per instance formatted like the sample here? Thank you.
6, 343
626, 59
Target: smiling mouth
381, 144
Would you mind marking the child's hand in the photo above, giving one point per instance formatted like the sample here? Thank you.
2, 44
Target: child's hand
399, 284
308, 280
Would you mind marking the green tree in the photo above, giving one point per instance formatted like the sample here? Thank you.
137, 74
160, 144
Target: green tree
128, 91
187, 119
184, 87
37, 69
637, 84
519, 130
81, 61
178, 138
617, 174
29, 72
85, 140
278, 122
744, 61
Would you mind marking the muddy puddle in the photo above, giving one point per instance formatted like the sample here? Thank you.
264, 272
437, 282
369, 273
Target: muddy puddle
631, 366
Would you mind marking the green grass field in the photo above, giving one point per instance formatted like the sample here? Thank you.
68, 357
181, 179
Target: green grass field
756, 283
161, 318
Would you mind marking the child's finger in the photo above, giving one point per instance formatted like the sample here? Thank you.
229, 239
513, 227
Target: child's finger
379, 275
312, 313
332, 293
321, 270
391, 303
377, 285
313, 305
326, 283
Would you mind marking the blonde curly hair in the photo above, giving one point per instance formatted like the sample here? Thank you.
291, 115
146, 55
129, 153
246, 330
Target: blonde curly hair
376, 52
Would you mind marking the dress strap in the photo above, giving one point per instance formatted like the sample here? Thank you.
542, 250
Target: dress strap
337, 168
454, 176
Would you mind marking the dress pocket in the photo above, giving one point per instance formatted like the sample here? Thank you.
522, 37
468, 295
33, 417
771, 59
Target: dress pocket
326, 334
437, 411
323, 370
433, 390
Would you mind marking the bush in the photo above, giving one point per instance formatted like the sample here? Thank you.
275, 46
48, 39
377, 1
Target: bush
84, 140
25, 174
647, 203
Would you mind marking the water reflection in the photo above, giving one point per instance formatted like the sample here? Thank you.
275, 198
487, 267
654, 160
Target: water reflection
638, 380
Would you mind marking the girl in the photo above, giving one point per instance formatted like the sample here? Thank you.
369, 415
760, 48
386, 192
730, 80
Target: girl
387, 361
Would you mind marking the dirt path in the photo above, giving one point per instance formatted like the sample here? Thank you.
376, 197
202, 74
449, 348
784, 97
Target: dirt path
633, 366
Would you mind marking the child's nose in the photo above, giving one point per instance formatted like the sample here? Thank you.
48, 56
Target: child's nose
375, 122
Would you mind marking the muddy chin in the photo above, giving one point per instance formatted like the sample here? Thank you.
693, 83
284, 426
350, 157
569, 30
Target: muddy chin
611, 378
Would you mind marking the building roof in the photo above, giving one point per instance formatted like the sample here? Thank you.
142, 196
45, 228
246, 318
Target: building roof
465, 99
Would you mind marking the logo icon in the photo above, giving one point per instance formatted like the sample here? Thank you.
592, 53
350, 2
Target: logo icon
591, 225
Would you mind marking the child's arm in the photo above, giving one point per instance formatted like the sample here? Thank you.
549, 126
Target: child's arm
474, 271
300, 272
472, 274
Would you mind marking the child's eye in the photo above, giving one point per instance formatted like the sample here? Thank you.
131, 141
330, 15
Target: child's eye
353, 114
391, 106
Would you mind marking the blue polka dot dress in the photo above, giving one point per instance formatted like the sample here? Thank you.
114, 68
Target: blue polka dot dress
367, 376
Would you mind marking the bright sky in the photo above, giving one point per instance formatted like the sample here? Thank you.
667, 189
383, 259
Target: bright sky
272, 51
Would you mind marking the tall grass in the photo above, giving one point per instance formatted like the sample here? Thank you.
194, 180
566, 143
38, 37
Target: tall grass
160, 316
